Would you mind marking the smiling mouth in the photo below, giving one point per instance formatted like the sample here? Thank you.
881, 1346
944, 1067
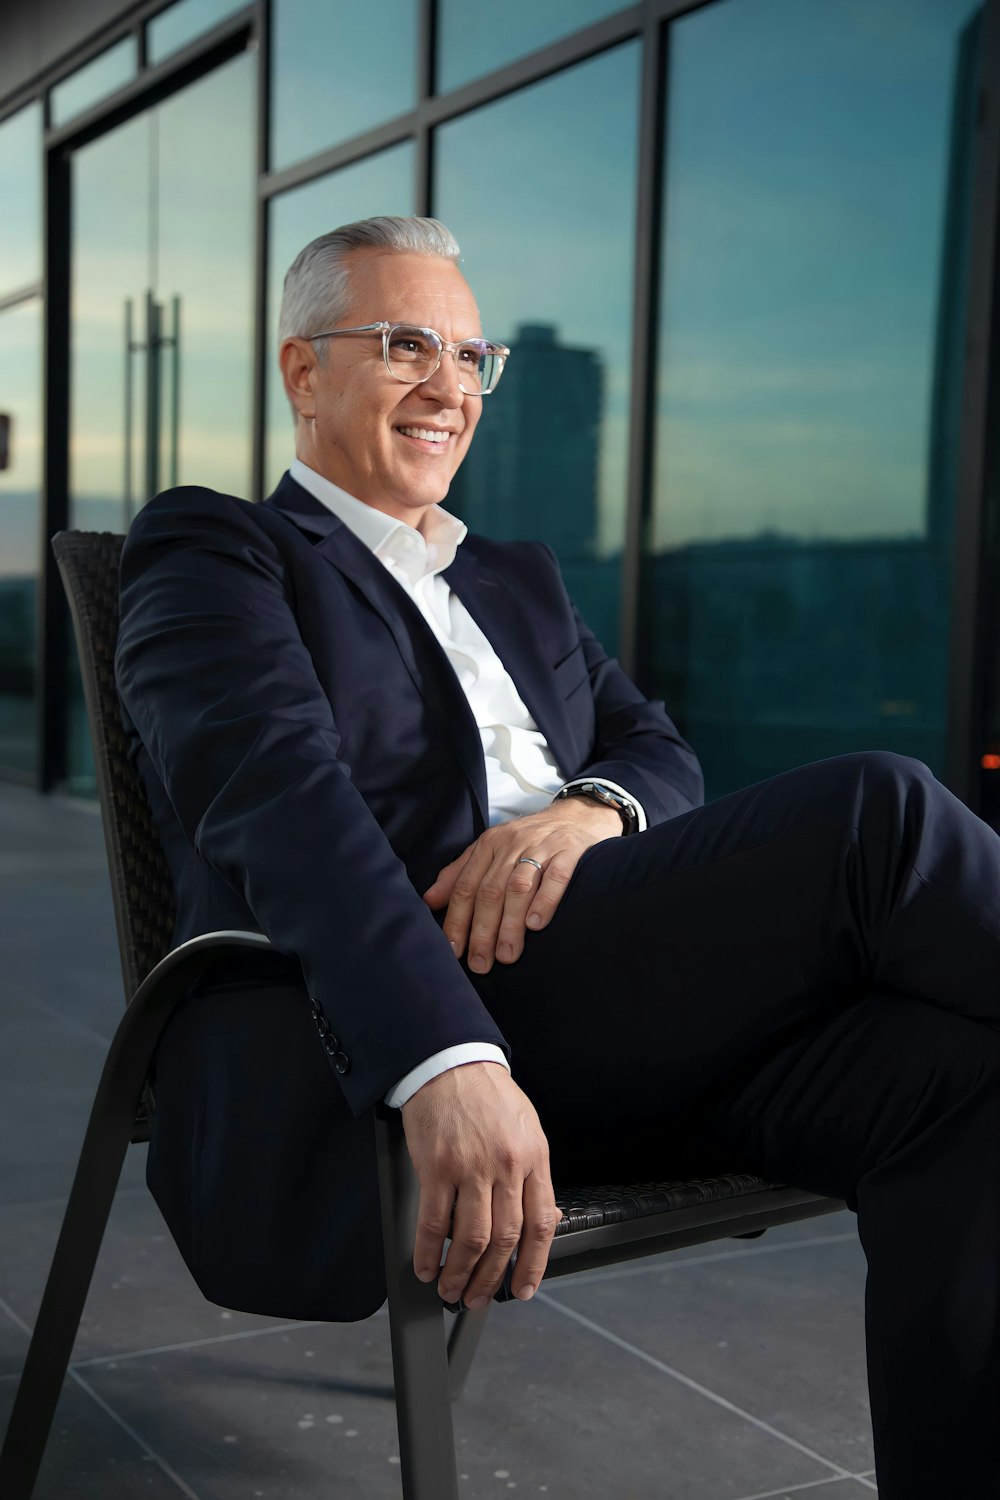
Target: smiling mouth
437, 435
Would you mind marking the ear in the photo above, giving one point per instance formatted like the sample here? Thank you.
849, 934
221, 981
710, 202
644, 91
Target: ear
299, 366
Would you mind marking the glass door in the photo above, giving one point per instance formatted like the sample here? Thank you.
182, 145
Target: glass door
161, 342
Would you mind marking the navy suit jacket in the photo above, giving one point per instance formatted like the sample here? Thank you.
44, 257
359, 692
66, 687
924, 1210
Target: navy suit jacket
312, 763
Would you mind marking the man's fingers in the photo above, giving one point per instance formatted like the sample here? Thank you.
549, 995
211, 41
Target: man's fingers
522, 887
532, 901
439, 894
540, 1219
552, 888
483, 1163
476, 907
433, 1228
505, 1237
470, 1237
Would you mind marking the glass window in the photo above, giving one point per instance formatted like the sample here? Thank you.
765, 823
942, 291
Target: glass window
20, 505
183, 22
818, 162
551, 266
94, 81
161, 341
474, 38
338, 70
21, 196
381, 184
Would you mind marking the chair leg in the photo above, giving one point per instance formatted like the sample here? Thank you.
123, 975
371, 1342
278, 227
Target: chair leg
104, 1145
84, 1222
416, 1325
462, 1346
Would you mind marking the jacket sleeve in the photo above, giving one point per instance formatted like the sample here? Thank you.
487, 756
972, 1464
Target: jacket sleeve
216, 678
636, 743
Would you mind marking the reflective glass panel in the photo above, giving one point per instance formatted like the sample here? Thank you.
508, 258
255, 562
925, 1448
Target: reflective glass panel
381, 184
183, 22
797, 589
551, 267
20, 514
475, 37
337, 71
162, 309
21, 196
94, 81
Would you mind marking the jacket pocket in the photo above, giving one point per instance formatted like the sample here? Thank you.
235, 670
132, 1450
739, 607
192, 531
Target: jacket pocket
571, 672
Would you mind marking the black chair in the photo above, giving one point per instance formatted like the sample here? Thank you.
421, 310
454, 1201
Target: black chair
601, 1225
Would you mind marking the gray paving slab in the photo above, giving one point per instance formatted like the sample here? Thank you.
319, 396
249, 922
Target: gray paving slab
834, 1489
90, 1456
780, 1334
548, 1409
60, 990
142, 1295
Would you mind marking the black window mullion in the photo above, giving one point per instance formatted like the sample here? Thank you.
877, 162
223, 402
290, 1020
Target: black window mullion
645, 300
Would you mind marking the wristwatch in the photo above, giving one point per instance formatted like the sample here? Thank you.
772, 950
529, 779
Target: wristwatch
596, 792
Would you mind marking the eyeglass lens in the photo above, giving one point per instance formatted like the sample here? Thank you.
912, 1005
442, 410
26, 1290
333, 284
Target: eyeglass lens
412, 355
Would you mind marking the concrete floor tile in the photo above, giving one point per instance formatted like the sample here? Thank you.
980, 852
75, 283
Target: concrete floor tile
61, 993
142, 1295
50, 1072
834, 1489
781, 1335
548, 1410
89, 1457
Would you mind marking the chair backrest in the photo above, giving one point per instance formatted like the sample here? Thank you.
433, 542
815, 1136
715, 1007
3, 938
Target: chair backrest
140, 879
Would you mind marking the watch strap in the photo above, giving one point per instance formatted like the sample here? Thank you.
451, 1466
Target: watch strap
596, 791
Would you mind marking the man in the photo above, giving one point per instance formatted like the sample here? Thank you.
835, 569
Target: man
355, 724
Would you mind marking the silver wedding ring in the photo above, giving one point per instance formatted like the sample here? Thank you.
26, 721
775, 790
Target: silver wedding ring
527, 860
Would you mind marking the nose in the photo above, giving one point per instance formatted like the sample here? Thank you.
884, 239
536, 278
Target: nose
443, 384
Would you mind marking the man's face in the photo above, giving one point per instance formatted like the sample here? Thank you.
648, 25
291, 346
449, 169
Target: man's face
362, 432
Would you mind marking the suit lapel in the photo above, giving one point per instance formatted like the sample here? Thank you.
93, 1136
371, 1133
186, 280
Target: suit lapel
424, 659
505, 616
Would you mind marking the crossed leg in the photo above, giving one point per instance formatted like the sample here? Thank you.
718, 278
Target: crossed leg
803, 980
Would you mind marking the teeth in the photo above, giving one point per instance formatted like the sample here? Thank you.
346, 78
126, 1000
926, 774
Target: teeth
429, 434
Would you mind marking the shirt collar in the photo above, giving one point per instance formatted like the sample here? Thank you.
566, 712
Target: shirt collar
417, 553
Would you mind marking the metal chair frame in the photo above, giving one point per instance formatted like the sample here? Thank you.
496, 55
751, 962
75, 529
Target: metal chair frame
428, 1370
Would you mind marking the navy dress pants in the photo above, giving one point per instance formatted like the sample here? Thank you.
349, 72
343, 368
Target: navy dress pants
803, 980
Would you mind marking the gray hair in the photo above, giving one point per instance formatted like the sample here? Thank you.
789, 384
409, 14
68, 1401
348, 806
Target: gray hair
317, 284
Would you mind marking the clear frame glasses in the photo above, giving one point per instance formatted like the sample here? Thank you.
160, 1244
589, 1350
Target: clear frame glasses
413, 354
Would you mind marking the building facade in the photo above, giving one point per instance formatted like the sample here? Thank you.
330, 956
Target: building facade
743, 251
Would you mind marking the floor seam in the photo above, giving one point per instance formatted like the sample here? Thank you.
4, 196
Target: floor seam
72, 1024
98, 1360
222, 1338
795, 1489
131, 1432
694, 1385
106, 1407
63, 1199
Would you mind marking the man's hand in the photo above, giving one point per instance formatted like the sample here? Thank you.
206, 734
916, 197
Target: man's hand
478, 1148
492, 898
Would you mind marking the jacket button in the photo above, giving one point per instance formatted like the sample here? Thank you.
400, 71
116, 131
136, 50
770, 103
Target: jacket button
322, 1024
330, 1045
341, 1062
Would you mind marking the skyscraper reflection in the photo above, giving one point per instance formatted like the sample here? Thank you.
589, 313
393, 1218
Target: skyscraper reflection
533, 469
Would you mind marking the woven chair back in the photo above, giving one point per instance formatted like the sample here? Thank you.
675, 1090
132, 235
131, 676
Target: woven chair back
140, 879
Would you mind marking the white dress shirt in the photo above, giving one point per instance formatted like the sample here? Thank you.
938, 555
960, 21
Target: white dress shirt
521, 774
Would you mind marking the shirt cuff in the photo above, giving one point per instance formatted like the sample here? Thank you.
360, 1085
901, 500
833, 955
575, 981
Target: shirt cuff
640, 812
451, 1057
